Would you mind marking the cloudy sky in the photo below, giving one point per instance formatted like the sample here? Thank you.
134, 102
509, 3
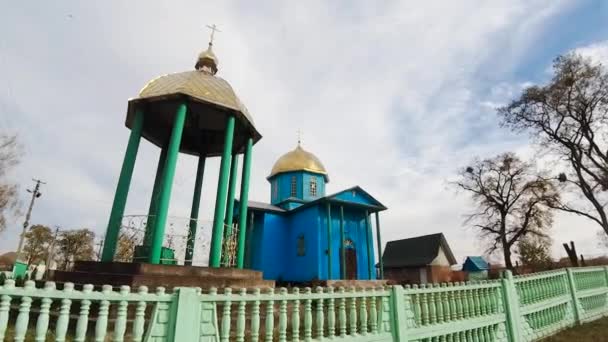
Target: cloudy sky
393, 96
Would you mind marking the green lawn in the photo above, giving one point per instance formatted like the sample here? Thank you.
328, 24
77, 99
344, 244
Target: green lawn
596, 331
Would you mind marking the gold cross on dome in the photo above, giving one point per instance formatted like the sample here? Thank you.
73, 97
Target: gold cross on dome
213, 29
299, 137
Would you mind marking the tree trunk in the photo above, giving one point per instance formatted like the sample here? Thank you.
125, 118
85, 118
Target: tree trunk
506, 251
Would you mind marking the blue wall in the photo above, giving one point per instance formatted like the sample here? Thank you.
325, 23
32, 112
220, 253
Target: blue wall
355, 230
283, 184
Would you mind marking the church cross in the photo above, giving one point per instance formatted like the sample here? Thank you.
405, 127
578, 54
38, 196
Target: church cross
213, 29
299, 137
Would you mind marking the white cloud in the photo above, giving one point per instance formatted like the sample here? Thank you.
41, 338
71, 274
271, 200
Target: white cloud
391, 96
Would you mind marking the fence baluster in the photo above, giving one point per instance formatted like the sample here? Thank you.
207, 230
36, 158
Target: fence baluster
241, 319
432, 305
342, 312
477, 301
331, 314
83, 316
102, 317
140, 311
283, 315
225, 331
320, 316
451, 303
42, 325
24, 312
295, 316
416, 297
255, 316
438, 304
363, 314
308, 315
270, 316
471, 299
120, 324
459, 305
64, 314
353, 313
373, 312
5, 305
424, 306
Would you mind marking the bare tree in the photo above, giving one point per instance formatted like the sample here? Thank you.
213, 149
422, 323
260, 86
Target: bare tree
569, 117
510, 199
10, 153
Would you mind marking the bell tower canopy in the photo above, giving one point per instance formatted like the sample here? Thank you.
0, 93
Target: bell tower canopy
209, 99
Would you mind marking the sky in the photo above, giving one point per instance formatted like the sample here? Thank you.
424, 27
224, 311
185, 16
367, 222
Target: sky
393, 96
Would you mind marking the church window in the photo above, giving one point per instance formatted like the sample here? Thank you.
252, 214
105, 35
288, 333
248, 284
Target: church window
313, 187
294, 186
275, 189
301, 246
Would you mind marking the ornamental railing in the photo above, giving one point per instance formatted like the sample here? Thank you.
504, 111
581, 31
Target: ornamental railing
522, 308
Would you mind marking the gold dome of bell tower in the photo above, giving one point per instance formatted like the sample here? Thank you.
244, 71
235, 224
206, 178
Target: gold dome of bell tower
298, 160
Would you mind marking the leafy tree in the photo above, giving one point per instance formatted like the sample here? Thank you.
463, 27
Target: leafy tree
535, 252
510, 201
37, 243
569, 118
75, 245
126, 247
10, 153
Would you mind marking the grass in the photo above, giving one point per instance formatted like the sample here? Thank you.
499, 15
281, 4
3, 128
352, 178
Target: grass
596, 331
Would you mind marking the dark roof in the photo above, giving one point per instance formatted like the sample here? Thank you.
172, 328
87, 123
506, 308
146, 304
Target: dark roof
475, 263
416, 251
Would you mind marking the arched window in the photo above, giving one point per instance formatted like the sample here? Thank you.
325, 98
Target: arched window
313, 187
294, 187
275, 189
301, 246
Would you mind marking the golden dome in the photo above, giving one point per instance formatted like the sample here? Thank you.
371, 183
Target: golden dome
299, 160
199, 85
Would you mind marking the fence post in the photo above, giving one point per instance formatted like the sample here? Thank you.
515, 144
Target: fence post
398, 314
572, 288
511, 304
185, 315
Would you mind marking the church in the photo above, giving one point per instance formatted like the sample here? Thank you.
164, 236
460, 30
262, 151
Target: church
304, 235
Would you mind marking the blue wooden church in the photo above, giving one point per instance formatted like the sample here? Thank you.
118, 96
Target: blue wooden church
305, 235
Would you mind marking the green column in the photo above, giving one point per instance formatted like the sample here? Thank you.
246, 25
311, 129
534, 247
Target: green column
166, 184
379, 240
154, 198
122, 189
329, 251
369, 243
229, 217
342, 249
220, 199
196, 201
244, 199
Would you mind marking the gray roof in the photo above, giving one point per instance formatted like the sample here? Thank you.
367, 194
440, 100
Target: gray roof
416, 251
264, 206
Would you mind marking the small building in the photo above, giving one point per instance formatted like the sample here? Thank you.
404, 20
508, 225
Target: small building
476, 268
418, 260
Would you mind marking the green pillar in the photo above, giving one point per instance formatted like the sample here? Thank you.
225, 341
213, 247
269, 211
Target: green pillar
329, 249
244, 199
154, 198
229, 217
122, 189
379, 240
164, 194
369, 243
220, 199
342, 249
196, 201
234, 171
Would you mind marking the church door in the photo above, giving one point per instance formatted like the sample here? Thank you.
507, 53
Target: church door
351, 263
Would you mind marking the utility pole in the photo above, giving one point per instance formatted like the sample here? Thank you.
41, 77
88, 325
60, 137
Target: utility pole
49, 256
35, 194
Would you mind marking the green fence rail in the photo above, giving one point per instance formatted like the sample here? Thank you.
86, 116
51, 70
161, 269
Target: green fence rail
522, 308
